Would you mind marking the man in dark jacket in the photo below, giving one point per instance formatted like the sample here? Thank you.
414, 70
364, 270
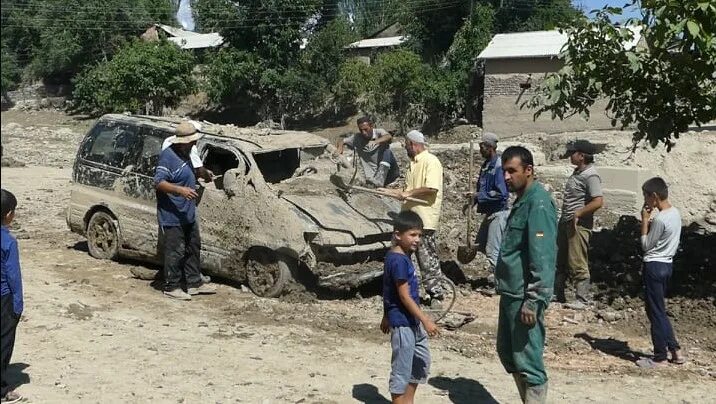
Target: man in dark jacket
491, 200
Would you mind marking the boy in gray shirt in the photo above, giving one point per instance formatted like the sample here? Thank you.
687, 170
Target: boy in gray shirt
660, 233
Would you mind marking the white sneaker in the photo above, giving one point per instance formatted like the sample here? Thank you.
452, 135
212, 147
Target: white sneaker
177, 294
11, 397
204, 289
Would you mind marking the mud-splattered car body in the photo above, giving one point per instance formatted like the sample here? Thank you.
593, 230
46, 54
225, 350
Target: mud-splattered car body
272, 214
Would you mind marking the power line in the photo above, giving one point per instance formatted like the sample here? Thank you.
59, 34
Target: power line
298, 9
444, 6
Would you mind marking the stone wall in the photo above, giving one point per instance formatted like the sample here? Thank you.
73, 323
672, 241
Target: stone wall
509, 83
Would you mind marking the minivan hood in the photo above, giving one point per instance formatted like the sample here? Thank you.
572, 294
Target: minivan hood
360, 214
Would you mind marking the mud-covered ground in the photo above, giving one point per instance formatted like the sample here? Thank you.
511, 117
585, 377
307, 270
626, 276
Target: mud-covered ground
93, 333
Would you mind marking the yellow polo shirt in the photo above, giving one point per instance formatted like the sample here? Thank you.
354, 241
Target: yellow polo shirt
426, 171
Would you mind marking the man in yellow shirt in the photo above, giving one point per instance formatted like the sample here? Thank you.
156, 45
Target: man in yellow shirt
424, 181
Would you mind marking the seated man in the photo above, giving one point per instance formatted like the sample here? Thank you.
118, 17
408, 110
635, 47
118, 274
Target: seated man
372, 146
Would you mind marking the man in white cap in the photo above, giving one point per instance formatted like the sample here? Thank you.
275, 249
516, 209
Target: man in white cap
424, 181
175, 183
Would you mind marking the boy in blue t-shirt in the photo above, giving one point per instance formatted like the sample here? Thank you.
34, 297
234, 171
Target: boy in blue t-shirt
409, 327
11, 303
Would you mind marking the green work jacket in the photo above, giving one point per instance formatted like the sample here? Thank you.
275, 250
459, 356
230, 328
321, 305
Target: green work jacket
528, 255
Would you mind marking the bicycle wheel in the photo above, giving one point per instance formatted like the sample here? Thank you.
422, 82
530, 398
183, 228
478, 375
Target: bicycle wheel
437, 309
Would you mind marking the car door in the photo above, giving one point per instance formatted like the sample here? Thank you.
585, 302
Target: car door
143, 190
104, 167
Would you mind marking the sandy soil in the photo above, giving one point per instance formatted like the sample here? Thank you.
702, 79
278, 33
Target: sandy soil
92, 333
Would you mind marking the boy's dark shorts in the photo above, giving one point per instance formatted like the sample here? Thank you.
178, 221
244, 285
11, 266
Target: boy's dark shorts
410, 362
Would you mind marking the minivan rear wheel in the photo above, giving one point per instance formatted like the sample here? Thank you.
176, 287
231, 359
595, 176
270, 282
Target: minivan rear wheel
102, 236
267, 273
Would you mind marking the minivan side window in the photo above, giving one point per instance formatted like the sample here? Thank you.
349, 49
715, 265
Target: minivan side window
151, 148
112, 144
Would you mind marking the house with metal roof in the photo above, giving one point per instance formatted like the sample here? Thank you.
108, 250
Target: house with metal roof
513, 64
183, 38
385, 39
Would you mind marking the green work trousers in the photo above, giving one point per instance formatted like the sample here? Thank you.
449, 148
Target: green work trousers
572, 252
520, 347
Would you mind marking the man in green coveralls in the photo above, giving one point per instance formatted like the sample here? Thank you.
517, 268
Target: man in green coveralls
525, 276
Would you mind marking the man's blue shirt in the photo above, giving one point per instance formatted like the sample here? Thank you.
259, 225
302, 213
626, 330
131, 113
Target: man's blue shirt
175, 210
492, 191
398, 268
11, 278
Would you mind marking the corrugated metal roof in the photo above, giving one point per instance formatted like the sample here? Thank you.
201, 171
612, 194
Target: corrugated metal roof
198, 41
173, 31
192, 40
378, 42
534, 44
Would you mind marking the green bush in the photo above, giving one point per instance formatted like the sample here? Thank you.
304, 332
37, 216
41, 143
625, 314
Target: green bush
142, 73
10, 71
353, 86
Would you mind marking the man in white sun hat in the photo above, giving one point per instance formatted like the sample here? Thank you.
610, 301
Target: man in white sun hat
175, 183
424, 181
201, 171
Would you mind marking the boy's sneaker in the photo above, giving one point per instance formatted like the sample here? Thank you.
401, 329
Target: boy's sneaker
204, 289
11, 397
205, 278
177, 294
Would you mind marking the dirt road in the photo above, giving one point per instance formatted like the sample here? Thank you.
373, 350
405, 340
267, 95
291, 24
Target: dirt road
92, 333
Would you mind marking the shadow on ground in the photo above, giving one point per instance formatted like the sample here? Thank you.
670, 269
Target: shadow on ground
613, 347
368, 394
462, 390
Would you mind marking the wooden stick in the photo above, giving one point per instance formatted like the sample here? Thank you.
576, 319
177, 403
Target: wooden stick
376, 192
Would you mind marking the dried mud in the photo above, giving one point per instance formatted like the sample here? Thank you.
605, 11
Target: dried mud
325, 350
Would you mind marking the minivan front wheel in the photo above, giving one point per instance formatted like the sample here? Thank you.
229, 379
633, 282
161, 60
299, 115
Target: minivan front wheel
102, 236
267, 273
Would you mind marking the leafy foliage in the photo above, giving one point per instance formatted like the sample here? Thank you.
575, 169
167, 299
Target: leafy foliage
659, 89
520, 15
10, 71
273, 29
354, 83
398, 83
325, 51
159, 73
58, 38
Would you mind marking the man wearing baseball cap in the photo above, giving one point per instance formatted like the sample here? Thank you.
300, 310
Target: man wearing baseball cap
582, 197
424, 181
175, 183
491, 200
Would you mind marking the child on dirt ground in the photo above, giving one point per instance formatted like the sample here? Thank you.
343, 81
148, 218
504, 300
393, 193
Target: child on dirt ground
409, 327
11, 294
660, 232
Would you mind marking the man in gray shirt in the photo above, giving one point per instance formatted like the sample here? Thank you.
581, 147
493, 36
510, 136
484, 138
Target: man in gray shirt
372, 147
582, 197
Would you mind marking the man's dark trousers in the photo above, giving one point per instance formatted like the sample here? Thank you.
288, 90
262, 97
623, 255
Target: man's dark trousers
656, 276
7, 338
182, 249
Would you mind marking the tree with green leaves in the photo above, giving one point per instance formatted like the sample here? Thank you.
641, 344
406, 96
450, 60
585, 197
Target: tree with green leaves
399, 85
659, 88
525, 15
58, 38
10, 71
273, 29
142, 76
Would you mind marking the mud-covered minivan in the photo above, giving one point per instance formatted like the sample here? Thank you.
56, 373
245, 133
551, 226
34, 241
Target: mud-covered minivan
271, 213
